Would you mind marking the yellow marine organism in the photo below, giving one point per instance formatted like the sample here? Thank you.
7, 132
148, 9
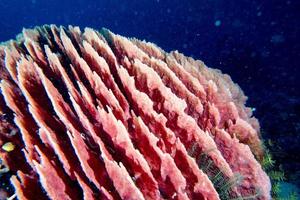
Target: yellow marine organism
8, 147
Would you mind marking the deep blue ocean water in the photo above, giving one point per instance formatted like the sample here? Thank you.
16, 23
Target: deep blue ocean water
255, 42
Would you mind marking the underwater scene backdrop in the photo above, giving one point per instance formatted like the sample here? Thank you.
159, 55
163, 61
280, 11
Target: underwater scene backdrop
255, 42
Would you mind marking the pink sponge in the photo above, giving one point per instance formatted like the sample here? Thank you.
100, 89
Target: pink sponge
94, 115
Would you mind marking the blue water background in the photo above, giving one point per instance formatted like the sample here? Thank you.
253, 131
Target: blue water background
256, 42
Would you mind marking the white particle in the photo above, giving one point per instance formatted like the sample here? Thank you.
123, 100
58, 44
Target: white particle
277, 38
217, 23
259, 14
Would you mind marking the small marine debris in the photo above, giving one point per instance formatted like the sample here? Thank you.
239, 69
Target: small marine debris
259, 14
277, 38
218, 23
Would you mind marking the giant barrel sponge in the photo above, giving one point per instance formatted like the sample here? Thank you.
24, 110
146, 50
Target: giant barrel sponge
94, 115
